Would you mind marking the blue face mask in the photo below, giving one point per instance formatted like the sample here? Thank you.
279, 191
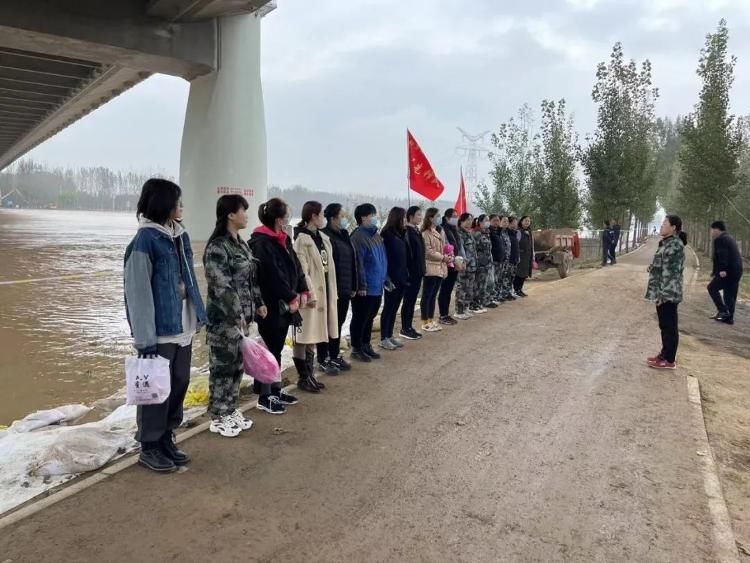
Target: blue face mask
374, 222
345, 224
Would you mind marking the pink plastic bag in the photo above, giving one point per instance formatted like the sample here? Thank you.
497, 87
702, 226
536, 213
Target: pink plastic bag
258, 362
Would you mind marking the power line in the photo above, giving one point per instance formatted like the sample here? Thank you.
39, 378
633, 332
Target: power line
472, 147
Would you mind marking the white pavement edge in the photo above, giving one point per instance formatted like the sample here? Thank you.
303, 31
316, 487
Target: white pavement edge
725, 545
76, 486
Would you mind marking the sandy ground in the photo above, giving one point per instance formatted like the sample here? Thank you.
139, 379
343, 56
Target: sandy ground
719, 356
533, 433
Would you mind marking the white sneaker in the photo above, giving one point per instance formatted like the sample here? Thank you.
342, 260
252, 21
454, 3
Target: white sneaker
480, 311
431, 327
225, 426
241, 421
437, 326
462, 316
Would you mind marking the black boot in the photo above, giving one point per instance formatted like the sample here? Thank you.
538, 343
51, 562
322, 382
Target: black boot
171, 450
154, 458
310, 359
303, 381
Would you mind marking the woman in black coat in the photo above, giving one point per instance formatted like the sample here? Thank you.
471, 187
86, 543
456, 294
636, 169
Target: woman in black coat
525, 254
397, 252
345, 262
284, 290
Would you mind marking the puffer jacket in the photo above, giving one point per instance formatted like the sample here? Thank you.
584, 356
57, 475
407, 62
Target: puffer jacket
665, 272
372, 264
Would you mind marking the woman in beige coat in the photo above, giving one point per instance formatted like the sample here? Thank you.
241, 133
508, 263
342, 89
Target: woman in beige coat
320, 317
436, 268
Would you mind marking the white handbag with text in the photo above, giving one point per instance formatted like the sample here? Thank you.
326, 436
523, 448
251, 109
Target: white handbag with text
147, 380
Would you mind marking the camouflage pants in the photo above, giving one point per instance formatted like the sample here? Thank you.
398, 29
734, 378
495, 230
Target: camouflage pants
481, 294
465, 290
491, 281
509, 272
225, 375
497, 281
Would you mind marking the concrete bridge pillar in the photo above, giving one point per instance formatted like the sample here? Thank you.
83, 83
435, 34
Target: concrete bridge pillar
224, 139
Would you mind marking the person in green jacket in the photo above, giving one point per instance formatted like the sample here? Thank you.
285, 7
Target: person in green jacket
665, 289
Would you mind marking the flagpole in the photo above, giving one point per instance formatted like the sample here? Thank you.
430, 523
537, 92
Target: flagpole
408, 168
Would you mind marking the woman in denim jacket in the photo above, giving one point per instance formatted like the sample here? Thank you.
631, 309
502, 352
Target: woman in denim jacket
165, 310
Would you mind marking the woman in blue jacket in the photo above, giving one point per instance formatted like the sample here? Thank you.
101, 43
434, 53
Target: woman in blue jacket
165, 310
397, 253
372, 266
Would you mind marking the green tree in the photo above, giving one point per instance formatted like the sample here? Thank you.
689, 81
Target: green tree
512, 173
556, 189
711, 140
619, 161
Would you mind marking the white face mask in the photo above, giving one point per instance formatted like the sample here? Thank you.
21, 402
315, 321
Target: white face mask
485, 225
453, 221
344, 224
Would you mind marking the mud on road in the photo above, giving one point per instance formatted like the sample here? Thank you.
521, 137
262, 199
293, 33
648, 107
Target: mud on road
532, 433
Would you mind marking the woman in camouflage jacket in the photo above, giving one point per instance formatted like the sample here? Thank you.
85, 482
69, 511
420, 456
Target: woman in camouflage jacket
467, 277
482, 297
665, 288
233, 300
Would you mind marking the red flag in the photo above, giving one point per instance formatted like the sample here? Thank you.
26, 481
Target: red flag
460, 206
422, 178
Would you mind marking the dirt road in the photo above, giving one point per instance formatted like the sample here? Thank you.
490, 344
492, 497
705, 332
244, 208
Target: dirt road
533, 433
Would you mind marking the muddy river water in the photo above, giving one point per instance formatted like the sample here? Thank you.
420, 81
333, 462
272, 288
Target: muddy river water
63, 331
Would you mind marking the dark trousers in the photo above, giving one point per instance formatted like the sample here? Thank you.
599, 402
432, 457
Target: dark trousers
392, 301
729, 287
154, 421
518, 283
670, 334
273, 331
613, 253
410, 302
446, 292
429, 296
364, 311
330, 350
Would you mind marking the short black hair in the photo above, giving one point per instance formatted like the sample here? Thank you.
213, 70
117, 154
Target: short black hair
364, 210
449, 213
719, 225
332, 210
606, 223
159, 198
412, 211
494, 216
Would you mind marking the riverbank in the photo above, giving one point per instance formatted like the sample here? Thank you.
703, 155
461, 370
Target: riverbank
482, 442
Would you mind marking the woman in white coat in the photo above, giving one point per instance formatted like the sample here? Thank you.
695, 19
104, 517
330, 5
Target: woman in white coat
320, 317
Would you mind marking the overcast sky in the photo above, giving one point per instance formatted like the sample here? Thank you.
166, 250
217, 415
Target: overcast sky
343, 81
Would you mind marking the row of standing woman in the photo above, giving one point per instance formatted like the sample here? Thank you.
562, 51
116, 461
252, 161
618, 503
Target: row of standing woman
308, 282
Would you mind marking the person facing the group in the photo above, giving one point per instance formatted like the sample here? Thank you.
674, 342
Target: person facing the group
283, 288
233, 301
467, 279
436, 268
481, 231
449, 228
417, 270
372, 269
320, 316
345, 262
726, 274
665, 289
165, 310
615, 240
525, 255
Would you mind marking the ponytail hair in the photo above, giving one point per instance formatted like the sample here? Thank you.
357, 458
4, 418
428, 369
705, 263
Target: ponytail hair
676, 222
268, 212
308, 210
225, 206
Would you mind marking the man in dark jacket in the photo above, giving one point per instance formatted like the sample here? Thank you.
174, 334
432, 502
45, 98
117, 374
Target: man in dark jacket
416, 264
607, 238
346, 280
727, 273
515, 250
615, 241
